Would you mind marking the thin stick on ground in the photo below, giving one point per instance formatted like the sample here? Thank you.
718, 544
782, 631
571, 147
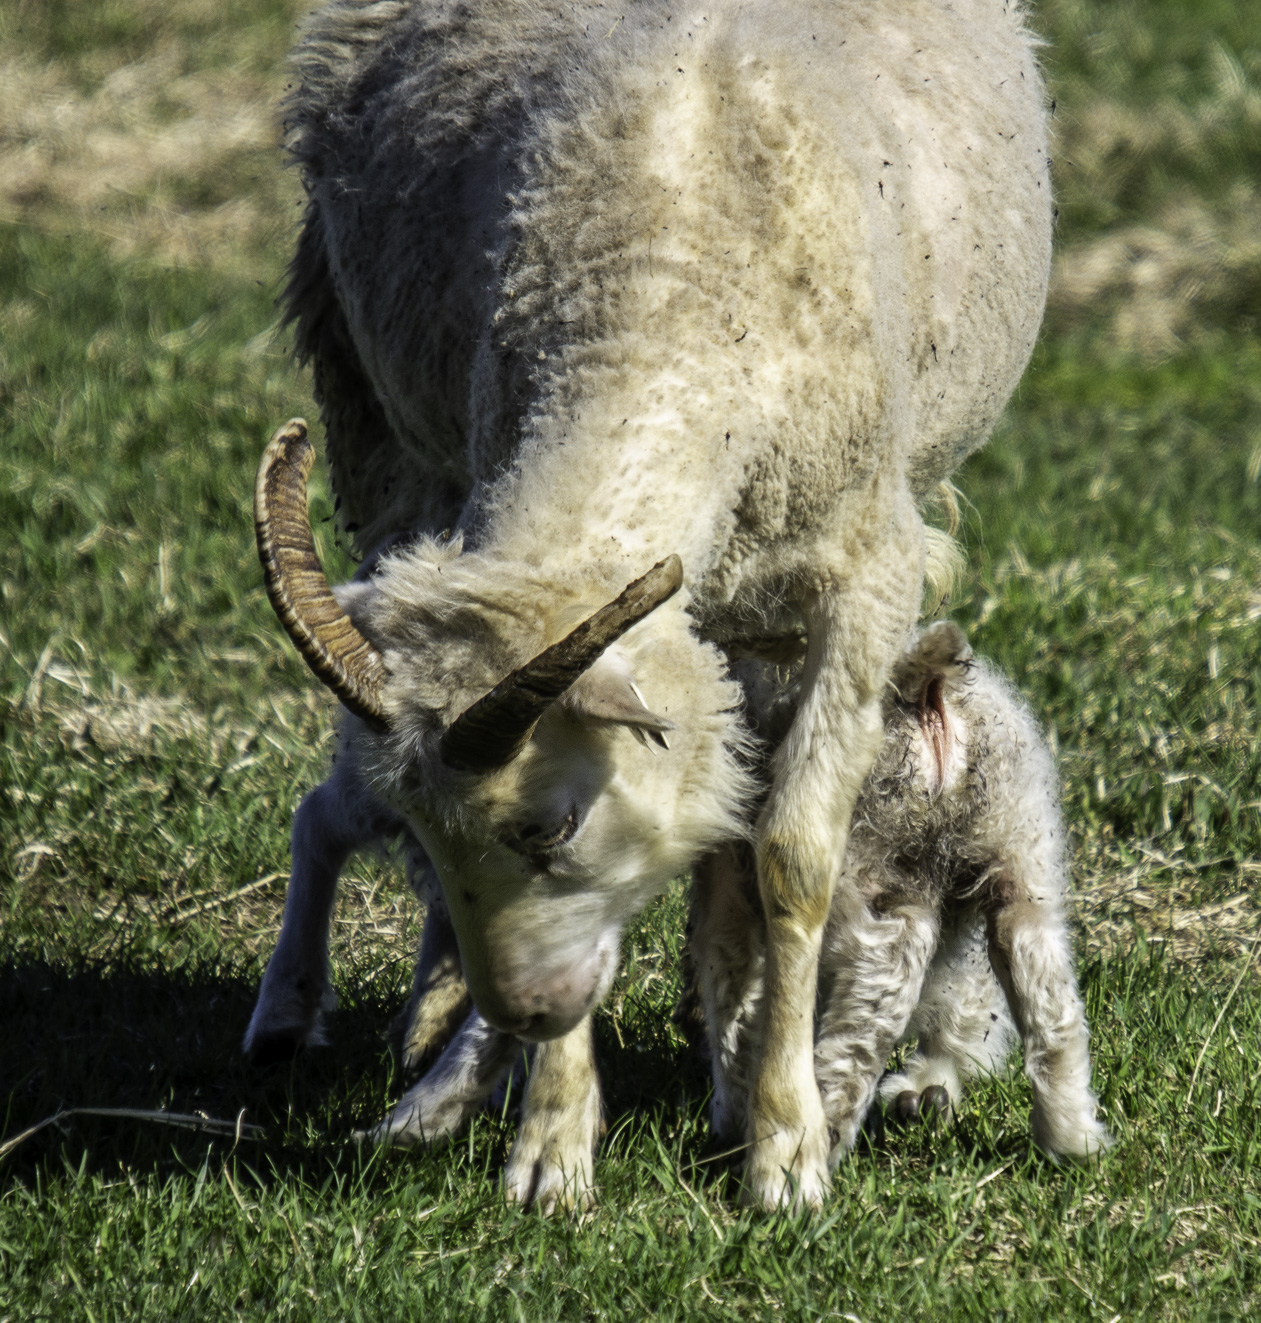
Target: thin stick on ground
219, 901
188, 1120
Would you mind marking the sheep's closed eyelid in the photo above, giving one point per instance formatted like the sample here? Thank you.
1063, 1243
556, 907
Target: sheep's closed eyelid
535, 840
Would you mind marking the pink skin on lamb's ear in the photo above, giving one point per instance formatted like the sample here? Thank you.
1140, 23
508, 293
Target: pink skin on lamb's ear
934, 721
925, 674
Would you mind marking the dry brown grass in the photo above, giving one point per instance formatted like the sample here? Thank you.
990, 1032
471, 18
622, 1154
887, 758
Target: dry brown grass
1156, 280
164, 159
1120, 901
1160, 190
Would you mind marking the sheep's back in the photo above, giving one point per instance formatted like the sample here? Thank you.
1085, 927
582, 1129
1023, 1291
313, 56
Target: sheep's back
495, 205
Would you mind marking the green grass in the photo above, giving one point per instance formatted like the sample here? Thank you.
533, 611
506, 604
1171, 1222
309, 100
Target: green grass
156, 733
1179, 84
98, 36
113, 1220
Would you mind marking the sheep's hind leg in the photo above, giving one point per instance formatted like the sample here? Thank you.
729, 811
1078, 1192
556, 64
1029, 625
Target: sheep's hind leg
440, 1001
335, 818
457, 1084
552, 1163
962, 1024
882, 961
1030, 953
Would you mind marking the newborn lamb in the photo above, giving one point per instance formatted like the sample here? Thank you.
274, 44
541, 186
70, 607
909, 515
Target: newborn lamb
958, 879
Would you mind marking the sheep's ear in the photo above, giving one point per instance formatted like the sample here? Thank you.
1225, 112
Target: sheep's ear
606, 695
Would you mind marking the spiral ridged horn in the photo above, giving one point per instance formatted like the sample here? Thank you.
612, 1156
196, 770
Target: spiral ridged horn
493, 730
296, 584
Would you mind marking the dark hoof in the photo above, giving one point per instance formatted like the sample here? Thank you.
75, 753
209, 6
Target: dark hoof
930, 1106
272, 1050
906, 1107
934, 1102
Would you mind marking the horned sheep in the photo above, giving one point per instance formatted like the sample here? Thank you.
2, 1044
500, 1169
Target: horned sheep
729, 290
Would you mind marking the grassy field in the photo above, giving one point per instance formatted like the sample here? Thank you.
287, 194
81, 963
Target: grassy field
156, 733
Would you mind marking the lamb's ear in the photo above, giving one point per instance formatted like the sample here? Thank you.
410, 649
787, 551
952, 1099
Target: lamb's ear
926, 674
606, 695
940, 652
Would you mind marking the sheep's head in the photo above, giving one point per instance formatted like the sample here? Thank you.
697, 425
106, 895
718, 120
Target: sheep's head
553, 801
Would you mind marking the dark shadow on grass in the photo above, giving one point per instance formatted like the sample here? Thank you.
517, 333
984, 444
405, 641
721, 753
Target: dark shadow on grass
124, 1034
648, 1067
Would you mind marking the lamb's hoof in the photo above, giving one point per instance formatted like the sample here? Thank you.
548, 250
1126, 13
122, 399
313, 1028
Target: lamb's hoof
932, 1105
906, 1107
289, 1016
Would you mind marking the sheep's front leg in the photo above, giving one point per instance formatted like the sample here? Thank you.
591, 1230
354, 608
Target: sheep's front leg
727, 950
788, 1137
335, 818
552, 1162
457, 1084
855, 627
1030, 953
881, 960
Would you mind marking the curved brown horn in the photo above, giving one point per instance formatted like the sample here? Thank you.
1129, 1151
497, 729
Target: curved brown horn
494, 730
296, 584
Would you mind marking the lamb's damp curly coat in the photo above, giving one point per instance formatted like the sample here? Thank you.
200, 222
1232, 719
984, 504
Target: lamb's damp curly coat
948, 924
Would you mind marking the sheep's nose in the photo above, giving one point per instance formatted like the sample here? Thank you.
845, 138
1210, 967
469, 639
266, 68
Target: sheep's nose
548, 1004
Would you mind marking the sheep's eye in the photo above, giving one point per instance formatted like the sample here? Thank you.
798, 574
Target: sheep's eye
535, 840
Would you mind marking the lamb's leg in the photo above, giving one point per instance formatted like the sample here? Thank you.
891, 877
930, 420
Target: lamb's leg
1030, 953
962, 1022
552, 1162
727, 952
335, 818
457, 1084
440, 1001
856, 624
881, 962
